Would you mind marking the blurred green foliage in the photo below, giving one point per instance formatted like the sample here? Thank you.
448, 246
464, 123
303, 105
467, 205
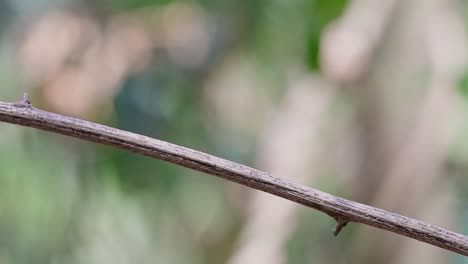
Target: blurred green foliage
321, 13
463, 85
67, 201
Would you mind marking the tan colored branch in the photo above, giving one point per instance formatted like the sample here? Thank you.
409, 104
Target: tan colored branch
342, 210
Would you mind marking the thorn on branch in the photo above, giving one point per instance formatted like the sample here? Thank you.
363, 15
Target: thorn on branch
340, 223
25, 102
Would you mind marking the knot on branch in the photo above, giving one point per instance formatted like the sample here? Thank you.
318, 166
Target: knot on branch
340, 223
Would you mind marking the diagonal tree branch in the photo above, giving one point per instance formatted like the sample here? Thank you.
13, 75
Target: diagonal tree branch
342, 210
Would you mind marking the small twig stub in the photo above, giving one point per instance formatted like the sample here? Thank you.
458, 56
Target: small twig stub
25, 102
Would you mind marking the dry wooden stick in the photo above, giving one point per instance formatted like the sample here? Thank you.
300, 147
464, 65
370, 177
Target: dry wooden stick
342, 210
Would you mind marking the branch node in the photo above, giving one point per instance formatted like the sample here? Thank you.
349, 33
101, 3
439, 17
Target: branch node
340, 223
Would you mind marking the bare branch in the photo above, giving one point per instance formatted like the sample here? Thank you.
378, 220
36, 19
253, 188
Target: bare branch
342, 210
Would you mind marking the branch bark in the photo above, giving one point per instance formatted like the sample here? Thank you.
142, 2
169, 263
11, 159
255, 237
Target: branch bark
342, 210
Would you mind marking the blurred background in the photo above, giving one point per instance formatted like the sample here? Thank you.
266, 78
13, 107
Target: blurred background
365, 99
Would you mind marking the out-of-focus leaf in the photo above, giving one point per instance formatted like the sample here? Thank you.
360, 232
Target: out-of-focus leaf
463, 86
321, 14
